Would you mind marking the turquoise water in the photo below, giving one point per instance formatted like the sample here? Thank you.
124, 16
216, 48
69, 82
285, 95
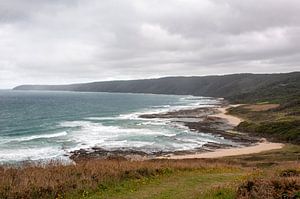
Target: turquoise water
48, 125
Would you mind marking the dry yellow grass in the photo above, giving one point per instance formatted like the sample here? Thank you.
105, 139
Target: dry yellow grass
55, 180
261, 107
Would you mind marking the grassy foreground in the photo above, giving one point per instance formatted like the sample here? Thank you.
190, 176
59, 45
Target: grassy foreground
111, 178
247, 176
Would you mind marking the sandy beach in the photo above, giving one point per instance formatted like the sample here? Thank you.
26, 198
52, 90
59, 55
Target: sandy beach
232, 120
261, 146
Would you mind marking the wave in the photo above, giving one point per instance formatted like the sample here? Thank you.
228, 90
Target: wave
32, 154
162, 106
150, 134
89, 134
34, 137
189, 102
101, 118
191, 97
127, 131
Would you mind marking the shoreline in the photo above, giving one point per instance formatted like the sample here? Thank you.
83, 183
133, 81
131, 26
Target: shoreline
219, 153
233, 120
258, 147
213, 120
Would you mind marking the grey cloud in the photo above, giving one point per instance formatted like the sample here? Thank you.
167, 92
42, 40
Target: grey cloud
64, 41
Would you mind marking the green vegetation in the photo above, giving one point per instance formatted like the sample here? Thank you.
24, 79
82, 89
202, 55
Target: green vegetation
281, 123
276, 90
238, 88
275, 115
271, 174
178, 185
288, 131
110, 177
224, 178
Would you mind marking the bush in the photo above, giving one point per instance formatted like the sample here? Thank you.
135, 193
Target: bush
270, 189
287, 131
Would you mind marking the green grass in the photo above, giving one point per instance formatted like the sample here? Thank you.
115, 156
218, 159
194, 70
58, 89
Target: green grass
220, 193
201, 183
157, 179
187, 184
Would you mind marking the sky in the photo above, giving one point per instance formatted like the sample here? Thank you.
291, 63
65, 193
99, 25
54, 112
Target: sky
72, 41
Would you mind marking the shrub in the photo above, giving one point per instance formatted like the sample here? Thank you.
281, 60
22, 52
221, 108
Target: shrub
288, 131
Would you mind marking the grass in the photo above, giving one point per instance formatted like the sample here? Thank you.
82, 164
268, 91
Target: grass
193, 178
178, 185
59, 181
227, 192
277, 123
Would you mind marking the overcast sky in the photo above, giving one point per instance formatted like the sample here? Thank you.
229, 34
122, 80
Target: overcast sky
67, 41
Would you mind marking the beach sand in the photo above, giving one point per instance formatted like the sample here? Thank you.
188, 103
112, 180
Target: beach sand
232, 120
261, 146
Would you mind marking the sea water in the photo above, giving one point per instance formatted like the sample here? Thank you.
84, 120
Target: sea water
41, 125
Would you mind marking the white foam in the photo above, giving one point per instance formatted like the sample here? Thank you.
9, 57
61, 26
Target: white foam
145, 134
126, 144
162, 106
188, 103
101, 118
74, 123
154, 123
33, 137
24, 154
91, 134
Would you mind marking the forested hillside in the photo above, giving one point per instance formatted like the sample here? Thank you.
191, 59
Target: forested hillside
235, 87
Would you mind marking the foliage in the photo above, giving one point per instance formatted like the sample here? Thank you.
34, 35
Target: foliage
273, 187
288, 131
242, 88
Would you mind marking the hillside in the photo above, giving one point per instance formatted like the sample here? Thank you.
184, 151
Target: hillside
235, 87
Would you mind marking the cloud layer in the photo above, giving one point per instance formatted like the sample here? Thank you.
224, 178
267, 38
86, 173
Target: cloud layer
64, 41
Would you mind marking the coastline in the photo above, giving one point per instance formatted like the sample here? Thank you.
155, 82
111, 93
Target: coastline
261, 146
233, 120
213, 120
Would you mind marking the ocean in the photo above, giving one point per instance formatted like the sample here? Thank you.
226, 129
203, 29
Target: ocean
42, 125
